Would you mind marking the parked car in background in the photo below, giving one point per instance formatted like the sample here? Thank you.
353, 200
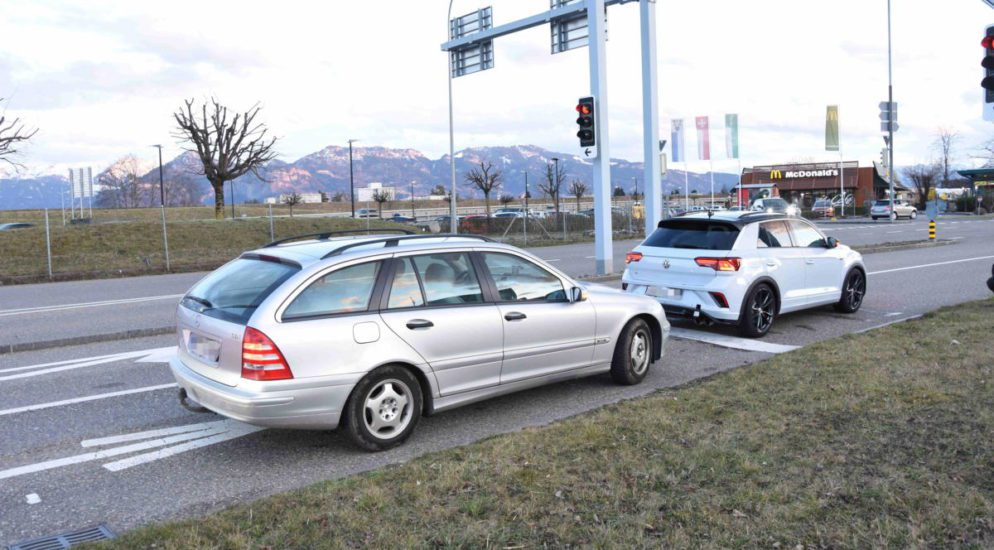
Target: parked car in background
823, 208
476, 223
367, 213
744, 269
774, 205
368, 333
15, 225
400, 218
901, 209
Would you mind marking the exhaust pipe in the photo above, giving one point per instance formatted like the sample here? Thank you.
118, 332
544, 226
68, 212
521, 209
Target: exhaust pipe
189, 404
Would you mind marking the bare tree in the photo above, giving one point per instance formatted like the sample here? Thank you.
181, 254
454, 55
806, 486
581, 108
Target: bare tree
553, 183
945, 139
228, 148
505, 199
380, 196
924, 177
578, 189
292, 199
486, 178
12, 133
121, 185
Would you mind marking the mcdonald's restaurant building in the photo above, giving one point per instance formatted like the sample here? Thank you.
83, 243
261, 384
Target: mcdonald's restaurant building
802, 184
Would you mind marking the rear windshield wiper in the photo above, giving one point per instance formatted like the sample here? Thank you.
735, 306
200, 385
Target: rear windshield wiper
202, 301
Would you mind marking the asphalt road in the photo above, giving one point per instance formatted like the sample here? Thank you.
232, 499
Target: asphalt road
92, 434
46, 312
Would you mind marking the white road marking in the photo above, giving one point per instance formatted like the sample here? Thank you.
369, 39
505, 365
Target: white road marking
64, 402
150, 434
156, 355
64, 307
234, 433
930, 265
33, 498
894, 313
733, 342
901, 231
555, 260
99, 455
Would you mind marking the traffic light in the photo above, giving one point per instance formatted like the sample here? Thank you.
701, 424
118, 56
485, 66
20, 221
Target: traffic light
988, 65
585, 120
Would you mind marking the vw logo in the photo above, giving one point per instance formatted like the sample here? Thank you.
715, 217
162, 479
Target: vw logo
666, 264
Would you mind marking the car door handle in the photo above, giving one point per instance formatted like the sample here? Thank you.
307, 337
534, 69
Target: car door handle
771, 263
515, 316
419, 323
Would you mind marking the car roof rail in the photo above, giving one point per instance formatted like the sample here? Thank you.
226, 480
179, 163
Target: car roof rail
392, 241
329, 234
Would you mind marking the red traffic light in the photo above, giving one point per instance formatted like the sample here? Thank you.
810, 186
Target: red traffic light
583, 109
987, 42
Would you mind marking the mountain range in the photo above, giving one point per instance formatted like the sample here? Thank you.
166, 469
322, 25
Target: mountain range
327, 171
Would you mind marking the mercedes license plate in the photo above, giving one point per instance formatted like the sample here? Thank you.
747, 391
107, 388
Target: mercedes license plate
202, 347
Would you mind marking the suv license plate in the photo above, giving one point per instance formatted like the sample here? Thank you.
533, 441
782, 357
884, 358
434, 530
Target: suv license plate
663, 292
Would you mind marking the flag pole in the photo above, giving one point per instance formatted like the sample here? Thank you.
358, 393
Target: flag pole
686, 184
711, 164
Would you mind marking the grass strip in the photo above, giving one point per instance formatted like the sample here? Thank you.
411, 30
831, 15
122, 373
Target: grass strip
881, 439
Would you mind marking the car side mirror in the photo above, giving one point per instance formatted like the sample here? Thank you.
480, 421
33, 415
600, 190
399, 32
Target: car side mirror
831, 242
576, 295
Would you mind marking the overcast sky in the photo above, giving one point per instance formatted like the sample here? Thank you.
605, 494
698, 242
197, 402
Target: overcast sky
101, 78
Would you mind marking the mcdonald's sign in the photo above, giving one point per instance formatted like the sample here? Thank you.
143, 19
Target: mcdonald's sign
776, 174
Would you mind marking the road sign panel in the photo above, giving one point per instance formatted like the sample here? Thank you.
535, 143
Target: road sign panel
475, 57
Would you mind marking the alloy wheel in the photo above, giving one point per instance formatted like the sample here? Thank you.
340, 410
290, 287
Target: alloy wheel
387, 409
856, 289
763, 307
638, 352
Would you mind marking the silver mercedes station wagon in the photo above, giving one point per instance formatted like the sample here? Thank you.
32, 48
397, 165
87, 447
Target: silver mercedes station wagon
371, 332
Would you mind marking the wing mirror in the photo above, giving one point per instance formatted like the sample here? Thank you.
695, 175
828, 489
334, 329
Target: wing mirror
831, 242
576, 295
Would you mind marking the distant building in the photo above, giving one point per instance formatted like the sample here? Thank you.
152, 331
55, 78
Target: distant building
305, 198
365, 194
802, 184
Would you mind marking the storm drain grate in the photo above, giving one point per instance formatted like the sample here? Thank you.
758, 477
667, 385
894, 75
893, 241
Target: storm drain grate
66, 540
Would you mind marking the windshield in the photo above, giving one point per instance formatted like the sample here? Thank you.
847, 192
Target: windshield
235, 290
693, 234
882, 203
822, 202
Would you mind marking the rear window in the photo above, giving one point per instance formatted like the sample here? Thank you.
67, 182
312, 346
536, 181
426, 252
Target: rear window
235, 290
693, 234
882, 203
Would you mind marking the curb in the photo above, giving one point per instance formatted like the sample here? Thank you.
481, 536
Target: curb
874, 249
80, 340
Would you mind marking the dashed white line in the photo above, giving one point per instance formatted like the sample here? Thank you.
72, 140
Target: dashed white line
930, 265
63, 307
64, 402
151, 434
32, 498
234, 433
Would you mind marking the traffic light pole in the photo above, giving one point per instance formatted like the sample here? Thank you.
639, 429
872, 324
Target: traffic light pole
603, 241
653, 196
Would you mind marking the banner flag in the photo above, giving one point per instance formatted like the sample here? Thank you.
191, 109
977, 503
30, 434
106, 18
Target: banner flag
732, 136
676, 139
703, 138
832, 128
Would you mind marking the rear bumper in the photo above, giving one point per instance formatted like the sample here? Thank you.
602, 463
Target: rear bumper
697, 302
310, 406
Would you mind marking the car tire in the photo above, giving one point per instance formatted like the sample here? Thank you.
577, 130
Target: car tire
632, 353
874, 218
893, 215
914, 214
853, 292
758, 311
384, 408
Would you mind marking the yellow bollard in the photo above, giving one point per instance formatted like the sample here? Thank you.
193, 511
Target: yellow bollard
931, 230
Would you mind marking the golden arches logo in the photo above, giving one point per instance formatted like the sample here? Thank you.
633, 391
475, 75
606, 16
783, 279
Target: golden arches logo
776, 174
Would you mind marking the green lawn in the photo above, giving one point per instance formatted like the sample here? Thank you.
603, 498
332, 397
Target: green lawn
882, 439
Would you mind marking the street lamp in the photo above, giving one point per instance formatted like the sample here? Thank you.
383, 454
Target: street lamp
555, 181
453, 225
890, 129
351, 180
162, 207
413, 215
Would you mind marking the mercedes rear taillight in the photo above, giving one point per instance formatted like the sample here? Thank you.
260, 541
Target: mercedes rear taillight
261, 359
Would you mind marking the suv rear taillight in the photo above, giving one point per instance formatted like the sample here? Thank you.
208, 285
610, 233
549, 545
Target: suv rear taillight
633, 257
720, 264
261, 359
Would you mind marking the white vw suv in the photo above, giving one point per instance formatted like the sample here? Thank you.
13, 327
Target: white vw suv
744, 268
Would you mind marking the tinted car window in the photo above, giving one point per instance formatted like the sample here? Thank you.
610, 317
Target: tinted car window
448, 279
341, 291
693, 234
405, 290
773, 235
804, 235
519, 280
235, 290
